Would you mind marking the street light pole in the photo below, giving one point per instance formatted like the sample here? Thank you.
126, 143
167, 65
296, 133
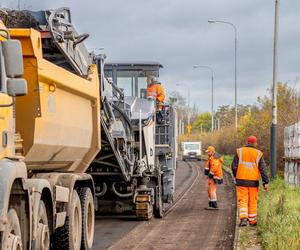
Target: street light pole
274, 95
212, 92
235, 66
189, 112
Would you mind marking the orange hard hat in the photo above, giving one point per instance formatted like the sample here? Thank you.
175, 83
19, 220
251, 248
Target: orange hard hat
252, 139
210, 149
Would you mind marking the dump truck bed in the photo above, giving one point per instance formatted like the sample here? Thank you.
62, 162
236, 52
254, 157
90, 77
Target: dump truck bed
59, 118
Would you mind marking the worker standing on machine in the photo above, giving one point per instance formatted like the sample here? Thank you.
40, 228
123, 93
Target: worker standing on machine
213, 169
156, 91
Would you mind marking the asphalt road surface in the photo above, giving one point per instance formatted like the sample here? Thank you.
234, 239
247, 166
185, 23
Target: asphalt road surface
187, 225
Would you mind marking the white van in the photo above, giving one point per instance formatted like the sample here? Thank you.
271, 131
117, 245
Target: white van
191, 151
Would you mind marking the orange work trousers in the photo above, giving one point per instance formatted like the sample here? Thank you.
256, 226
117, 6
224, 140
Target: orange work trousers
212, 190
247, 203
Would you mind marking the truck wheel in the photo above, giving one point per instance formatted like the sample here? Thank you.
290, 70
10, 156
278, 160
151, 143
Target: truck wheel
88, 218
75, 222
43, 235
69, 236
12, 238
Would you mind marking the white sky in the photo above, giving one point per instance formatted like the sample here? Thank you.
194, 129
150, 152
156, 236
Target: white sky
176, 33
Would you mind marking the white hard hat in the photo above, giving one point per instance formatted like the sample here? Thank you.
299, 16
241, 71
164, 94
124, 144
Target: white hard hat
152, 79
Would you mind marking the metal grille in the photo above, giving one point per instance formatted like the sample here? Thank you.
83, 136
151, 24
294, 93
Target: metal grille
164, 129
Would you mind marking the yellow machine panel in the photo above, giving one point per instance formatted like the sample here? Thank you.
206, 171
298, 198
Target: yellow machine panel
6, 127
6, 121
59, 119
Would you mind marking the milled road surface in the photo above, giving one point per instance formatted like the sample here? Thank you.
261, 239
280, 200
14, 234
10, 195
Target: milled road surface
187, 226
110, 230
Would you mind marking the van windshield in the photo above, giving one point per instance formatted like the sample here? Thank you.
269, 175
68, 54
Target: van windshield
191, 146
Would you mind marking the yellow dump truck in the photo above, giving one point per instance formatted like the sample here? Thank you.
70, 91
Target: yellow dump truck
49, 120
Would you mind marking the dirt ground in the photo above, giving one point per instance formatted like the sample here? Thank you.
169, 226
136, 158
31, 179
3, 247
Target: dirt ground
189, 225
109, 230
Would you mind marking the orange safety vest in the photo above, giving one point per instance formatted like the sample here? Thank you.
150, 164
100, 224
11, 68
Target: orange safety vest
156, 91
248, 165
213, 167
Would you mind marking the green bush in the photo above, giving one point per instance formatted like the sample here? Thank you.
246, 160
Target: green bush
227, 160
279, 217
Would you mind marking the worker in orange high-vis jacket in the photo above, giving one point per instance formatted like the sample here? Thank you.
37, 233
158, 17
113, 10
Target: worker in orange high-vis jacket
156, 91
247, 167
213, 169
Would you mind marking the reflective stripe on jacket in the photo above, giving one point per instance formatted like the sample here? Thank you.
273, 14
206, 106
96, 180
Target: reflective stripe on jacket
248, 173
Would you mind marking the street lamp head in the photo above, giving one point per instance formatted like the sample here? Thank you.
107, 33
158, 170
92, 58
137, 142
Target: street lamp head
211, 21
196, 66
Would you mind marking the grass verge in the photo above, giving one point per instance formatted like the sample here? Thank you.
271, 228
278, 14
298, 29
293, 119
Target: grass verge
279, 217
227, 162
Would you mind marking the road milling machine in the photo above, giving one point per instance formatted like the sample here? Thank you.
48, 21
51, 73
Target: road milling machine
134, 173
50, 132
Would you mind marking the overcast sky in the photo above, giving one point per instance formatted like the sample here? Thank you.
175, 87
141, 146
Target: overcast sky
177, 34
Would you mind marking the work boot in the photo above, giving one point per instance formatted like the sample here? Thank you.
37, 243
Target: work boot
159, 117
253, 223
243, 223
214, 204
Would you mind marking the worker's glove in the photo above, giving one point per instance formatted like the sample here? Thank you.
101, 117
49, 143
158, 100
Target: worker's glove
266, 187
210, 175
206, 171
218, 181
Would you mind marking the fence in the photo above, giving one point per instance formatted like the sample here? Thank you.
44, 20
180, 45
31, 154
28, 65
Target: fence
292, 154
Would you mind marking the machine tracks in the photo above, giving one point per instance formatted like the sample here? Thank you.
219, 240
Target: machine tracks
145, 210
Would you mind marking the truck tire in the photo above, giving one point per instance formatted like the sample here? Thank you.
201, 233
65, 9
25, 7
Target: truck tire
68, 237
43, 234
12, 238
88, 218
75, 222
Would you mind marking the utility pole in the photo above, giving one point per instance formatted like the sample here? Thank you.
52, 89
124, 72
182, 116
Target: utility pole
274, 95
235, 78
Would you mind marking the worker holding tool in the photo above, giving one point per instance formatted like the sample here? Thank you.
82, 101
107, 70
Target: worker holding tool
247, 167
213, 169
156, 91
